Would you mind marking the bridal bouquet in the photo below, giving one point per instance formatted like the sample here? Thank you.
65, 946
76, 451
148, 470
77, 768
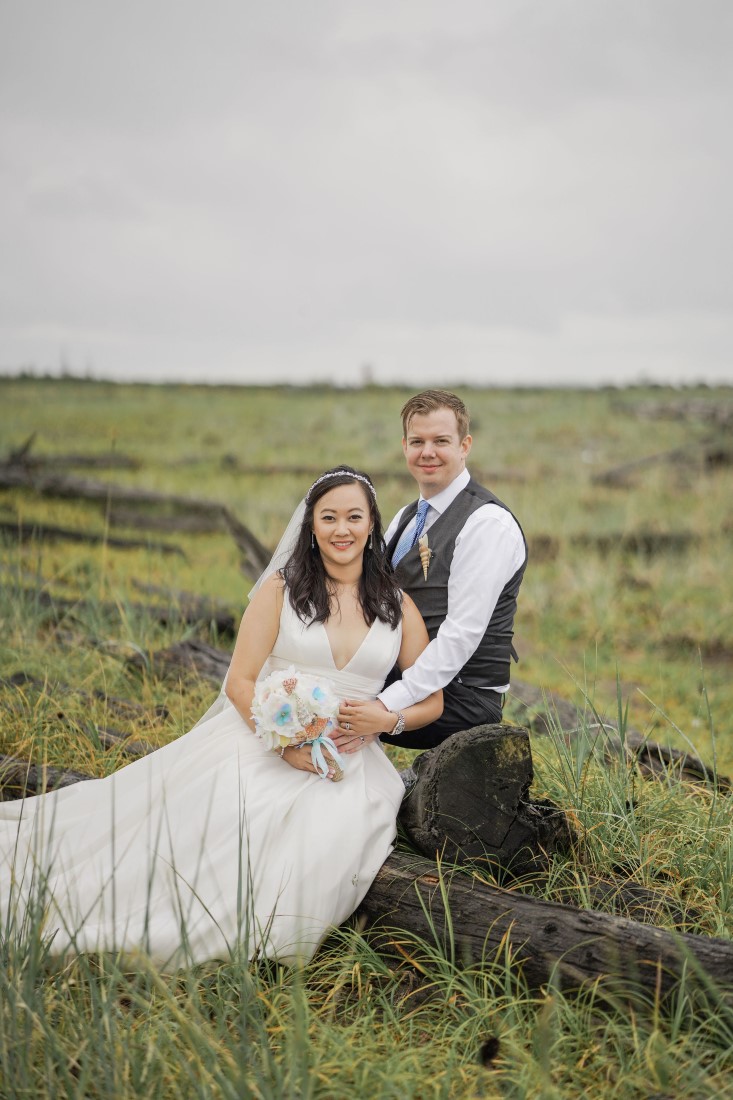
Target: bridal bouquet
293, 708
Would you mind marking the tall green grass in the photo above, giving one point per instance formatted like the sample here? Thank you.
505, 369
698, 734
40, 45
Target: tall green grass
352, 1023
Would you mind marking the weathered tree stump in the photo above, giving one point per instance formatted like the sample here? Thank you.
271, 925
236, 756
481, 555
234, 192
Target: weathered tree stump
471, 801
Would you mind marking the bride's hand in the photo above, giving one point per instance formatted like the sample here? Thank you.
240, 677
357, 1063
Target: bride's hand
300, 758
360, 722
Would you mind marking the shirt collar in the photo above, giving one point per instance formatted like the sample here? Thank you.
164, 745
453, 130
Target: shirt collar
446, 496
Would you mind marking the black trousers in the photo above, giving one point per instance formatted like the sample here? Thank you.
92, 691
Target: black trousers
463, 707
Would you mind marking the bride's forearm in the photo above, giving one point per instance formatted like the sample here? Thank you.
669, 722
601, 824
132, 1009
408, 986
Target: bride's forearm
240, 694
423, 713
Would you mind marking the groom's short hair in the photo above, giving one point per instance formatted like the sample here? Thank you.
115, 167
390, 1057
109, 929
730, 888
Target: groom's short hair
430, 401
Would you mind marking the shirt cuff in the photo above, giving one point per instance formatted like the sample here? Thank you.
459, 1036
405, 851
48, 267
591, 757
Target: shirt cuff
396, 697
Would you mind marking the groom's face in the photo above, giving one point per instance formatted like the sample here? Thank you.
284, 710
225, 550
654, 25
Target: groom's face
434, 450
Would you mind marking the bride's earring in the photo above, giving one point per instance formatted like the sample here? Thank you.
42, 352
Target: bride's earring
371, 542
313, 541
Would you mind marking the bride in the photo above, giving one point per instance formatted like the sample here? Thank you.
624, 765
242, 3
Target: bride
214, 844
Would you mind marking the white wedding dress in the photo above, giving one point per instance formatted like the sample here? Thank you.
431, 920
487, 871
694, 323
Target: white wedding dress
212, 845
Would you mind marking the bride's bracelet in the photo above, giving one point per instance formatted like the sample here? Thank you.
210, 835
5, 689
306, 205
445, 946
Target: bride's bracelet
399, 725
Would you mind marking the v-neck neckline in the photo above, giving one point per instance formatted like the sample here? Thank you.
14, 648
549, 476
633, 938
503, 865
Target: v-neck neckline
353, 656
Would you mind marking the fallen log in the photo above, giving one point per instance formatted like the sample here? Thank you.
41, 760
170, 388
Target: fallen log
474, 922
21, 778
710, 455
195, 608
193, 524
102, 460
717, 412
25, 532
711, 649
116, 739
184, 658
255, 556
202, 613
642, 542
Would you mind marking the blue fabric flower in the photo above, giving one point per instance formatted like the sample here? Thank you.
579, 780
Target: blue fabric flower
284, 715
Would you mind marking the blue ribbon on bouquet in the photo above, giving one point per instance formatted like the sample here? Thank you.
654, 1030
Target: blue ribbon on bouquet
319, 761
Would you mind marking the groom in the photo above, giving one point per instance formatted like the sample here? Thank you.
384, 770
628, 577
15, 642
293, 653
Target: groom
475, 558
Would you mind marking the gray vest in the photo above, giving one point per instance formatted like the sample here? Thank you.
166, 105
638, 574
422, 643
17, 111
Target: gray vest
489, 664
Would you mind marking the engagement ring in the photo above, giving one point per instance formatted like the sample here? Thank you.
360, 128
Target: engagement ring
347, 726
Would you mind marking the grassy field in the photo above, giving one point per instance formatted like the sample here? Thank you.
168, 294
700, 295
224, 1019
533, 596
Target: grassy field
627, 602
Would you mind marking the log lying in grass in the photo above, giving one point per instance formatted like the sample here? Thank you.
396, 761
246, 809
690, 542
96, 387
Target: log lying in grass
709, 454
255, 556
716, 412
644, 543
206, 661
711, 649
195, 608
545, 712
199, 613
193, 524
20, 778
577, 946
103, 460
116, 739
24, 532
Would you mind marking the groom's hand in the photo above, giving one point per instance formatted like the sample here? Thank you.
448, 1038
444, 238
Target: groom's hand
360, 722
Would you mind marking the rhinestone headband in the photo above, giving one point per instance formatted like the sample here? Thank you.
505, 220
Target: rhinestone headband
342, 473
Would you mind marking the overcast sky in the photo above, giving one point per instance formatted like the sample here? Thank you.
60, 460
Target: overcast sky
484, 190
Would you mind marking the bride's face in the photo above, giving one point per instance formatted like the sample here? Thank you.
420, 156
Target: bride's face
342, 524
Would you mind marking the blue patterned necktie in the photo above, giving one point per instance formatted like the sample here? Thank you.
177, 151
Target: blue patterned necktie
410, 536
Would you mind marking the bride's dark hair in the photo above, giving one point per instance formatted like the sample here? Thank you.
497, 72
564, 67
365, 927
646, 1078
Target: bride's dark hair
306, 578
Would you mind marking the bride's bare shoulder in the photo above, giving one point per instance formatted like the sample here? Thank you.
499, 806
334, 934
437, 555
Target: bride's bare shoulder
269, 593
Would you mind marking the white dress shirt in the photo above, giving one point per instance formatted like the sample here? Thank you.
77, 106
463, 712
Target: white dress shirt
488, 551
